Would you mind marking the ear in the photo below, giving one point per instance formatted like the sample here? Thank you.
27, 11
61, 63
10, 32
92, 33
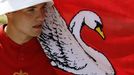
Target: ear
8, 14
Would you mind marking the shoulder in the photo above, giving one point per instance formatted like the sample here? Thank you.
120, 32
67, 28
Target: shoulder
1, 46
1, 31
1, 27
1, 36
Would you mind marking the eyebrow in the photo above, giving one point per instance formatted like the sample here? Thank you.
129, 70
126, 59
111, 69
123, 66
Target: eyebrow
31, 7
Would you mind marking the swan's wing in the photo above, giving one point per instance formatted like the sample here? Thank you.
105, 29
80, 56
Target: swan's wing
58, 43
62, 48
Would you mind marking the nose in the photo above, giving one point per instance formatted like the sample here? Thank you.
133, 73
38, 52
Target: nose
41, 15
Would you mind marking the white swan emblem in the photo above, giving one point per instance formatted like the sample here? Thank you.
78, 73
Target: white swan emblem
65, 48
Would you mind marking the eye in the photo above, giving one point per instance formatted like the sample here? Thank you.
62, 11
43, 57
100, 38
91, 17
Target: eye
44, 7
31, 9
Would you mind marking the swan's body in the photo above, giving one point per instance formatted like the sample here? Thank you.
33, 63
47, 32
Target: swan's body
66, 52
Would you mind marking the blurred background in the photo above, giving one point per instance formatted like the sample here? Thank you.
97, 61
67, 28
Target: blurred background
3, 19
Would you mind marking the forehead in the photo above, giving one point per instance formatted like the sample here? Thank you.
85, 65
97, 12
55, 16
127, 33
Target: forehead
37, 6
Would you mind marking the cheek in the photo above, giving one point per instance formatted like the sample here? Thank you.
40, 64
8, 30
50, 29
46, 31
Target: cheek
28, 21
24, 28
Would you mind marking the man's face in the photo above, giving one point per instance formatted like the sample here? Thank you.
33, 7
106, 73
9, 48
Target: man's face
29, 21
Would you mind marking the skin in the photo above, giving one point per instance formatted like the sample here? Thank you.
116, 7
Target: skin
25, 24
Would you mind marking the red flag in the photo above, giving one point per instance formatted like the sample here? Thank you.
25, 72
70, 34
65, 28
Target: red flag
118, 23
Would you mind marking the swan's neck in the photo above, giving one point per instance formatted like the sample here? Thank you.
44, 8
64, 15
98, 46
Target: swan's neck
75, 28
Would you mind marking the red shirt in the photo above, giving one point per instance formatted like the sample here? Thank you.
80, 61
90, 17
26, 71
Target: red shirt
28, 58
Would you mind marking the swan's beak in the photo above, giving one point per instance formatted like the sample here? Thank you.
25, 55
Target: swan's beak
98, 29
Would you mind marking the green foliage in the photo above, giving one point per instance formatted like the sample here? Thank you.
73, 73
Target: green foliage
3, 19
